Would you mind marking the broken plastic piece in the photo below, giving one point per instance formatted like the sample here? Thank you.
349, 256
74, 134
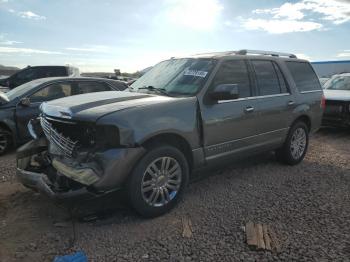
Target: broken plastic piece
77, 257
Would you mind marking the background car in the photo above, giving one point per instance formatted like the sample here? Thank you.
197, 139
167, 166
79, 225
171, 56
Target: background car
337, 94
323, 80
35, 72
21, 104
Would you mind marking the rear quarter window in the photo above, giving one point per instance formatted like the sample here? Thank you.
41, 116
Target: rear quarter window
304, 76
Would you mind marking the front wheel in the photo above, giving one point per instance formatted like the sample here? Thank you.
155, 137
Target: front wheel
158, 180
294, 149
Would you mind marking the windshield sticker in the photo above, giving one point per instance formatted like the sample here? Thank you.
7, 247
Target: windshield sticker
195, 73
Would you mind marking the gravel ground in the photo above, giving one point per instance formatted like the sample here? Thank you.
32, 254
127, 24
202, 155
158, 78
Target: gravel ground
307, 205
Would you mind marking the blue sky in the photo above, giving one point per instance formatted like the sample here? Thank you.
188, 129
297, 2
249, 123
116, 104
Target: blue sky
133, 34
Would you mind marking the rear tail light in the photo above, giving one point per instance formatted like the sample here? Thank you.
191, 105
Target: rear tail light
323, 102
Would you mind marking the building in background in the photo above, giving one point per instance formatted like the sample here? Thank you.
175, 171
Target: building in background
328, 68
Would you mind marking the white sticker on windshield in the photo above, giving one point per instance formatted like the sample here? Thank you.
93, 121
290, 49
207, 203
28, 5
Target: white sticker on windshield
195, 73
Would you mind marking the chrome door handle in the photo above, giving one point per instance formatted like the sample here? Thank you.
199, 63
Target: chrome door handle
290, 103
249, 109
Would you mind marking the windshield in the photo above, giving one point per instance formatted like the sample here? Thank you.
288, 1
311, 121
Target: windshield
21, 90
184, 76
338, 83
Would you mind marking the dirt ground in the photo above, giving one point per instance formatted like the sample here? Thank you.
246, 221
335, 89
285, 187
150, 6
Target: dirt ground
307, 205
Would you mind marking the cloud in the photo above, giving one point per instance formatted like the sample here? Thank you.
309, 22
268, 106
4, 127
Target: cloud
198, 15
14, 50
10, 42
5, 41
31, 15
302, 16
276, 26
345, 53
90, 48
303, 56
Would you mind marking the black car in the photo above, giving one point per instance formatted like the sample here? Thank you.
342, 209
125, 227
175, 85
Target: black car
35, 72
21, 104
337, 94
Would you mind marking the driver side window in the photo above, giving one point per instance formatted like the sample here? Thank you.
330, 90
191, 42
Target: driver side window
51, 92
234, 72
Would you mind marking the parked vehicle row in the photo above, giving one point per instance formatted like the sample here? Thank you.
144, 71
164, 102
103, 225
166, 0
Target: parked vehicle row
337, 94
35, 72
183, 115
21, 104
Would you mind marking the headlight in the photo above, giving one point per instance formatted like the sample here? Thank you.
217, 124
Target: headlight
34, 128
107, 136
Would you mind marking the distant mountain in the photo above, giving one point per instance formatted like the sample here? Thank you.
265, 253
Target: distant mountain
2, 67
8, 70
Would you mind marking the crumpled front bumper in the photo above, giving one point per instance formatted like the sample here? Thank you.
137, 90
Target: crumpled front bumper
105, 173
39, 182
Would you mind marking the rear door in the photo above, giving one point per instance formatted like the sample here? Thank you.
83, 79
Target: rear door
229, 126
275, 101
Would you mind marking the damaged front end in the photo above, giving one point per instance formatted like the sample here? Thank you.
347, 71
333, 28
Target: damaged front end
71, 160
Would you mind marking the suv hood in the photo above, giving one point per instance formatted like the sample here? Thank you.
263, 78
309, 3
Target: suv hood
338, 95
90, 107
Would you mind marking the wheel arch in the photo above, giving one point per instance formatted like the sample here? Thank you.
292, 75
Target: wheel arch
174, 140
303, 118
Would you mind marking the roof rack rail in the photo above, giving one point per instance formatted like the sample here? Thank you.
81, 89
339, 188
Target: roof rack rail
260, 52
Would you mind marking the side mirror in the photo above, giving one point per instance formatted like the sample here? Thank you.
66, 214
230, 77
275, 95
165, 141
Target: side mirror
25, 101
225, 92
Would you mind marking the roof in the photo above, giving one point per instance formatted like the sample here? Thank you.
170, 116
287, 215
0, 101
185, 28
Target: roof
245, 53
47, 79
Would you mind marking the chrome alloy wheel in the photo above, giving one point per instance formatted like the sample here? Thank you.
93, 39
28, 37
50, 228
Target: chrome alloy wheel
161, 181
298, 143
3, 142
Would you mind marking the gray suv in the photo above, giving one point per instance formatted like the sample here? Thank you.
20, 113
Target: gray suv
183, 115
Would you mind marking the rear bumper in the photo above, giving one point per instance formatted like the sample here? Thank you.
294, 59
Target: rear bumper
337, 121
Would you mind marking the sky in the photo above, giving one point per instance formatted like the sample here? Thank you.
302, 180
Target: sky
133, 34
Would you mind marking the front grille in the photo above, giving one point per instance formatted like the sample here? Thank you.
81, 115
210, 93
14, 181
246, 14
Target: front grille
64, 144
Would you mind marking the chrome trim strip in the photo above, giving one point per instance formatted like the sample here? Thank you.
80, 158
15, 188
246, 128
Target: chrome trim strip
311, 91
248, 137
253, 98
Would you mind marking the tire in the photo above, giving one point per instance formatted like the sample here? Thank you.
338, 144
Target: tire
295, 147
158, 181
5, 141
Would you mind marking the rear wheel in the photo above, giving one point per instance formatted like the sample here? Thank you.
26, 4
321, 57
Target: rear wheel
294, 149
5, 141
158, 181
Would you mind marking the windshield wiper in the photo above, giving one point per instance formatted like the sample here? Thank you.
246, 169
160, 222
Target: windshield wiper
152, 88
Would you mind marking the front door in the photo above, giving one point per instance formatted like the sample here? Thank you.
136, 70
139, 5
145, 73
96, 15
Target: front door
229, 126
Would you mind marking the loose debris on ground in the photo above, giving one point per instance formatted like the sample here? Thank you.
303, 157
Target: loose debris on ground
262, 237
308, 207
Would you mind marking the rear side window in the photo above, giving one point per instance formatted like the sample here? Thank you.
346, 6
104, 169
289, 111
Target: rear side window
91, 87
281, 79
267, 78
234, 72
304, 76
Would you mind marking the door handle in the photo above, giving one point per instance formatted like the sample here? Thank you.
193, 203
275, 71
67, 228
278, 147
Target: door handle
290, 103
249, 109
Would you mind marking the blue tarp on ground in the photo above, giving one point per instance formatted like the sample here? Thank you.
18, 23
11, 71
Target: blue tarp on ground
76, 257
